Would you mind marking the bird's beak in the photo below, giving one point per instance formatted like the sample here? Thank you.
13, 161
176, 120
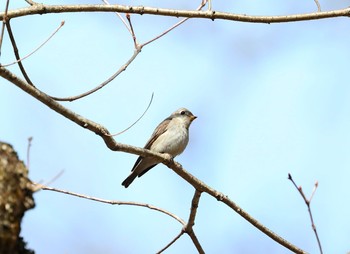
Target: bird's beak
193, 117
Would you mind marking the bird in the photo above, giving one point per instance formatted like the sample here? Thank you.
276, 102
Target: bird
171, 136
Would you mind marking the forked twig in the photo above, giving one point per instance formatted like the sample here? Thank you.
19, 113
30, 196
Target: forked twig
308, 204
188, 228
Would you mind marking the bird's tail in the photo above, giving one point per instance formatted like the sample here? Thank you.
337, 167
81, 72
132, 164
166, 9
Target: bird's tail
129, 179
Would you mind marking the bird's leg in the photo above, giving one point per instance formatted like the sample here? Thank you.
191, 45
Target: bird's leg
168, 157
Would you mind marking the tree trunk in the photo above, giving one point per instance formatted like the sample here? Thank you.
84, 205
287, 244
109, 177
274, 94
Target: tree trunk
15, 198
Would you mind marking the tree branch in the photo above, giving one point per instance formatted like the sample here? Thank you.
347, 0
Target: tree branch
111, 78
111, 202
115, 146
308, 204
46, 9
189, 226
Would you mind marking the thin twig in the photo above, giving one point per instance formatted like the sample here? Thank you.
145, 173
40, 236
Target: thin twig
4, 21
31, 2
171, 242
149, 104
120, 17
174, 26
308, 204
58, 175
38, 186
115, 146
15, 49
318, 5
196, 242
111, 202
188, 228
121, 69
39, 47
132, 30
30, 139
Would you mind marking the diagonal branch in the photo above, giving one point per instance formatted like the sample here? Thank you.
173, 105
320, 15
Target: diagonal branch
116, 74
115, 146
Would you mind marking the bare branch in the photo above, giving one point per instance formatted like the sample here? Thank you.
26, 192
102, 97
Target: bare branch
149, 104
116, 74
31, 2
189, 226
114, 146
194, 206
132, 31
39, 47
28, 151
15, 49
171, 243
318, 5
45, 9
308, 203
4, 21
120, 17
111, 202
174, 26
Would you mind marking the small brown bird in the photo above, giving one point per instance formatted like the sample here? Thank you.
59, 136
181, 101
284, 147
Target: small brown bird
171, 136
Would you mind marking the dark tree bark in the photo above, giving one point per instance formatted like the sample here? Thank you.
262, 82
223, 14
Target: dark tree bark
15, 198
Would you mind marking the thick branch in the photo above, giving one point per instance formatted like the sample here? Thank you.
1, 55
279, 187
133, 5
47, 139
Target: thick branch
46, 9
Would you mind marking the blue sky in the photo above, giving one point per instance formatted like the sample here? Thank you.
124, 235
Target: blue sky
270, 100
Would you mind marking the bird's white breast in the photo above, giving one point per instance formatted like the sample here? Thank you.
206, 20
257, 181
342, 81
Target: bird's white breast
174, 140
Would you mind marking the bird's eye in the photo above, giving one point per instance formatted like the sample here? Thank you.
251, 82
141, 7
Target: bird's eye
182, 112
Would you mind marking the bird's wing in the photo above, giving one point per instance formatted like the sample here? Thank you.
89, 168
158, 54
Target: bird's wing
161, 128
